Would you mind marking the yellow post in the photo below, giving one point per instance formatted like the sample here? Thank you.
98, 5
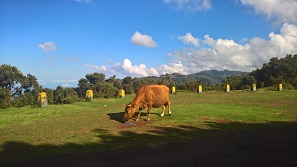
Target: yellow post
254, 87
280, 87
122, 93
200, 89
228, 88
42, 99
173, 90
89, 94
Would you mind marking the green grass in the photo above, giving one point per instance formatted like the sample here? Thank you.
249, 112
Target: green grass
95, 126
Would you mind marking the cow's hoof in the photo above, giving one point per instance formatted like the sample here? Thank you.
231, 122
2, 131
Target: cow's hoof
161, 115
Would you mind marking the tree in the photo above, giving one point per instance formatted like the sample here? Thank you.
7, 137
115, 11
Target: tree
248, 80
116, 82
70, 96
20, 90
4, 98
234, 81
30, 83
83, 86
192, 85
11, 78
49, 95
282, 70
128, 80
95, 78
107, 90
136, 84
59, 95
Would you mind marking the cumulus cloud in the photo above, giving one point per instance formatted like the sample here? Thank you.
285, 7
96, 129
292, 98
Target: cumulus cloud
282, 10
217, 54
138, 70
188, 38
48, 46
227, 54
126, 68
189, 5
143, 40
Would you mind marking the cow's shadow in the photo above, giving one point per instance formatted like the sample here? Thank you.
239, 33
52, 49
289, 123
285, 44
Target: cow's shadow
118, 116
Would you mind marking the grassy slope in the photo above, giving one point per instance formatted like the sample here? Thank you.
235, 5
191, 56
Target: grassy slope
92, 126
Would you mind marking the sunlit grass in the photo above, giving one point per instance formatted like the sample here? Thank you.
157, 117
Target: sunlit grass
69, 127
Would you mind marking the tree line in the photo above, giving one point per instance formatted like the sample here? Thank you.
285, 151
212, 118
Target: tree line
17, 90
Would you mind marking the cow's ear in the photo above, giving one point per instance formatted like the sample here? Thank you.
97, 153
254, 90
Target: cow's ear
129, 105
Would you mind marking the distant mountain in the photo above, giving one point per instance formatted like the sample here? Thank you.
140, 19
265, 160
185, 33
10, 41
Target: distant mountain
210, 76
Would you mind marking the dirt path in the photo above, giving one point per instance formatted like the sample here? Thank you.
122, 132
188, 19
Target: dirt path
266, 146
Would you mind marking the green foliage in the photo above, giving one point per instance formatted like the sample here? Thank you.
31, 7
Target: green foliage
49, 95
192, 85
59, 95
95, 78
16, 89
70, 96
4, 98
277, 71
107, 90
128, 88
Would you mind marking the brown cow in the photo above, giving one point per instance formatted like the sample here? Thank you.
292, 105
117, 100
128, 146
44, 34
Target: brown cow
148, 96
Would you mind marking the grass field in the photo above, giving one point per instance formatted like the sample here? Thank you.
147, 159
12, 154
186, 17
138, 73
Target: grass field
27, 132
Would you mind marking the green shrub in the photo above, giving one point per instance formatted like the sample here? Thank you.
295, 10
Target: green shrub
4, 98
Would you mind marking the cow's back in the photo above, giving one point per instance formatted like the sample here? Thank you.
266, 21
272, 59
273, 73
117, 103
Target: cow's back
158, 95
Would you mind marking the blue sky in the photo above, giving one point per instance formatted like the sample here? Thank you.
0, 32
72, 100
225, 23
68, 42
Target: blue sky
60, 41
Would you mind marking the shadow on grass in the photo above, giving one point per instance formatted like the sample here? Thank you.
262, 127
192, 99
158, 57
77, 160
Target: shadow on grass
118, 116
224, 144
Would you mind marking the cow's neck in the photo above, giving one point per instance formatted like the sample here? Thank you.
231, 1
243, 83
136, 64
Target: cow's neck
137, 100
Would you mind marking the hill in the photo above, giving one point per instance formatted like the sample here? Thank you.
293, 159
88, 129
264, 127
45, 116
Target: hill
210, 76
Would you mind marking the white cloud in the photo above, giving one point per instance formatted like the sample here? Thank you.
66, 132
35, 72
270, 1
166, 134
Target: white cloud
226, 53
48, 46
64, 80
98, 68
70, 59
138, 70
189, 5
143, 40
217, 54
84, 1
188, 38
282, 10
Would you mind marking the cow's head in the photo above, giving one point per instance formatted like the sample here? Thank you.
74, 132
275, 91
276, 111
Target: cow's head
129, 111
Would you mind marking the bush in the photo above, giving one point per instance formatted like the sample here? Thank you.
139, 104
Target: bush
4, 98
70, 100
288, 86
128, 89
246, 87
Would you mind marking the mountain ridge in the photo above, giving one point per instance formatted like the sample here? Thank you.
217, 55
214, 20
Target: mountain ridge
210, 76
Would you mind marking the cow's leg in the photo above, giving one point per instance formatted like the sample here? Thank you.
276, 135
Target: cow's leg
169, 111
139, 112
149, 111
163, 109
